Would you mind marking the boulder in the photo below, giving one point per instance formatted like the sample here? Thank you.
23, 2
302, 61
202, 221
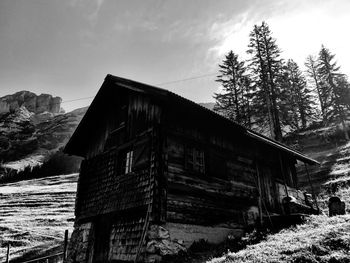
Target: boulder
336, 206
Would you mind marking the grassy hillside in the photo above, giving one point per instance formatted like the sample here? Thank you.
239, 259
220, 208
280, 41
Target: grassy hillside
35, 213
31, 144
320, 239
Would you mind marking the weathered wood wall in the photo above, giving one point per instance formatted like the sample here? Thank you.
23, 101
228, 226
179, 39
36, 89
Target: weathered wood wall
229, 187
223, 193
102, 189
111, 200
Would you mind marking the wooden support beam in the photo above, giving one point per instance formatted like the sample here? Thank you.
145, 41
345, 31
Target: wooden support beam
260, 197
312, 187
65, 245
283, 174
8, 253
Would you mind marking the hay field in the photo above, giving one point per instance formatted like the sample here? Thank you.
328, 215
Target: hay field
35, 213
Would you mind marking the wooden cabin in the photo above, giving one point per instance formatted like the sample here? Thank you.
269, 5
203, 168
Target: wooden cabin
160, 172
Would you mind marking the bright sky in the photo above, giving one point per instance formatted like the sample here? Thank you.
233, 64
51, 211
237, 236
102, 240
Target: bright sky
66, 47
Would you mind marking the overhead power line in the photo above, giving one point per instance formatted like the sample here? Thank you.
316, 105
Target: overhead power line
191, 78
64, 101
159, 84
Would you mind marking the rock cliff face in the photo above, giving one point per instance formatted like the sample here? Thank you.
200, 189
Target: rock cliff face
32, 102
32, 128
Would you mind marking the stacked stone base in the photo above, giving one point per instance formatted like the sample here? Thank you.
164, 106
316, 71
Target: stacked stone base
161, 240
80, 246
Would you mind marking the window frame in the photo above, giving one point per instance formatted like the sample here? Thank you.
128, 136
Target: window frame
125, 161
195, 159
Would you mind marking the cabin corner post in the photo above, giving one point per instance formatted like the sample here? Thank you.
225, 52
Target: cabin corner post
156, 213
159, 144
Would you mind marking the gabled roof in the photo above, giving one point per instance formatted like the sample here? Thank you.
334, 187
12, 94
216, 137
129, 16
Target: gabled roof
74, 143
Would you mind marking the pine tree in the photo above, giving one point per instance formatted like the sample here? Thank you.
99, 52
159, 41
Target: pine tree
246, 101
344, 91
265, 65
233, 102
332, 83
297, 100
312, 68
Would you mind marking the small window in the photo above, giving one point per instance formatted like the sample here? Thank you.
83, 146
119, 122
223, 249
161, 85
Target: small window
126, 159
195, 159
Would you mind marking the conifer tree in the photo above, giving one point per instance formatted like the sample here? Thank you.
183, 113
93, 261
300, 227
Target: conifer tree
233, 101
344, 91
265, 65
312, 67
297, 100
332, 84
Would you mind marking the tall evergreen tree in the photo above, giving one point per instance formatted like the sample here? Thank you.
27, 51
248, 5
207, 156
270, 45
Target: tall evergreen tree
233, 101
344, 91
265, 65
332, 83
297, 100
312, 68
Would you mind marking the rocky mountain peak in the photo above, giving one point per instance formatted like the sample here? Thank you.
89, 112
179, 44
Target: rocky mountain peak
32, 102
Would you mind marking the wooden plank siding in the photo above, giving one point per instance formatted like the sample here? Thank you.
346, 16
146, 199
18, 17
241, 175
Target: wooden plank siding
155, 159
104, 192
229, 185
215, 197
101, 188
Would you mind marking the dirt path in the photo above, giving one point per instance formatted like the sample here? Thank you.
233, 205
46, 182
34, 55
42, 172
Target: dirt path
36, 212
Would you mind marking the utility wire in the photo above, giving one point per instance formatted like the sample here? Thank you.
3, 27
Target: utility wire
159, 84
192, 78
65, 101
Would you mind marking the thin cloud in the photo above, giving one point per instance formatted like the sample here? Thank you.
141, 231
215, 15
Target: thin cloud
89, 8
93, 16
300, 28
191, 31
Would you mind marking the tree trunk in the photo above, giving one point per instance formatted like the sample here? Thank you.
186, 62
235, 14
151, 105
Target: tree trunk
265, 87
274, 110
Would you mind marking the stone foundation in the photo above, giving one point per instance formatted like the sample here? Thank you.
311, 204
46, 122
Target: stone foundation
187, 233
173, 238
160, 241
80, 246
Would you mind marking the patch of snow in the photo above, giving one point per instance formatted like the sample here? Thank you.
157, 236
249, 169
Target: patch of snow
30, 161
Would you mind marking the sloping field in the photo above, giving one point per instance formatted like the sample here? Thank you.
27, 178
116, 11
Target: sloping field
321, 239
35, 213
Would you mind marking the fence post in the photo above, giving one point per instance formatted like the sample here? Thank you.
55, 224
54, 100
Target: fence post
8, 253
65, 245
